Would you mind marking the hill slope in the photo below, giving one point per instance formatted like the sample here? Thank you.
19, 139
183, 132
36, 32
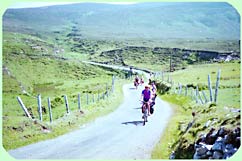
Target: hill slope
141, 20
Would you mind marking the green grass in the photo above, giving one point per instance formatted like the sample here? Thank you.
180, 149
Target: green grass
155, 58
175, 138
229, 84
59, 80
230, 74
230, 97
170, 136
51, 76
19, 130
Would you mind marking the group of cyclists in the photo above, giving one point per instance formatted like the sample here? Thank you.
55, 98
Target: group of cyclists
148, 95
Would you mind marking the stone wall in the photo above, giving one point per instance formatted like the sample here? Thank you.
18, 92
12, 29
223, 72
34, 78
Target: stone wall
217, 144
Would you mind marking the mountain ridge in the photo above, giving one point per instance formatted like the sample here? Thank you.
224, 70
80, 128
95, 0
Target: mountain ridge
141, 20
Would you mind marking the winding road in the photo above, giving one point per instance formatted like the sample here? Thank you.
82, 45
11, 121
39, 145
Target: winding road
118, 135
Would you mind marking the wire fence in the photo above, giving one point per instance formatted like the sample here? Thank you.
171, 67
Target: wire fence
195, 92
70, 103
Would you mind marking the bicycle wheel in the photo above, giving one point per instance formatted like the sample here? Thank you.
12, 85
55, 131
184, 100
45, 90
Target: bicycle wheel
145, 116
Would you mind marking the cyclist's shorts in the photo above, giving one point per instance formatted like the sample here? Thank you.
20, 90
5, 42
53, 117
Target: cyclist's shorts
146, 100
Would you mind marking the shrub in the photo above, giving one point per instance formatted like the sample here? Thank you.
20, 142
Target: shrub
163, 87
57, 101
202, 87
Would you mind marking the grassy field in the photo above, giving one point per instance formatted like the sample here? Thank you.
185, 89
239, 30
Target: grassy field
181, 140
19, 130
29, 71
229, 85
168, 140
54, 80
156, 56
207, 115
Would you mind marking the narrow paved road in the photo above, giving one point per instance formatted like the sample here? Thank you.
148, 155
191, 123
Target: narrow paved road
118, 135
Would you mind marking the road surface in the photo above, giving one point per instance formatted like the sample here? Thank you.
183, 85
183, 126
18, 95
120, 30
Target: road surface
118, 135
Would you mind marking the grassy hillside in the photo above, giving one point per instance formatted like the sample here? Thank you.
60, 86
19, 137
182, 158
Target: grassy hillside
183, 129
29, 71
229, 91
43, 49
89, 30
137, 21
160, 58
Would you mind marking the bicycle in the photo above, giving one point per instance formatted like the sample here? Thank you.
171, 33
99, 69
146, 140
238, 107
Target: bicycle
136, 84
145, 112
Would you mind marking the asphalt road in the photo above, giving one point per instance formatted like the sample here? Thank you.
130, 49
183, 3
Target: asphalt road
118, 135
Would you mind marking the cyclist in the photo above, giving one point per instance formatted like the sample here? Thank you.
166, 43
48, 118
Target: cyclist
145, 97
150, 77
141, 81
153, 89
153, 97
136, 81
131, 71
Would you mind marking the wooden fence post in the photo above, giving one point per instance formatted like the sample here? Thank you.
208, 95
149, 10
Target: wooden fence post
170, 80
113, 83
98, 97
23, 107
204, 95
79, 101
180, 88
103, 96
210, 89
107, 89
50, 111
39, 107
197, 94
186, 91
200, 98
87, 99
172, 83
192, 93
93, 98
217, 86
66, 102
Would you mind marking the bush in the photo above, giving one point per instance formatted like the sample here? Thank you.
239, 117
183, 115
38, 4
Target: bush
163, 87
202, 87
191, 86
57, 101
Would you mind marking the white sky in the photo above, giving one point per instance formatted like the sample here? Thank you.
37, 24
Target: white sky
42, 4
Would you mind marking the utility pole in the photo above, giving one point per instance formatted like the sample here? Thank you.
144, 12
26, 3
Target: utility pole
171, 60
171, 51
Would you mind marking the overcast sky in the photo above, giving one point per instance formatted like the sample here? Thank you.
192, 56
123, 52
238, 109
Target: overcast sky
42, 4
